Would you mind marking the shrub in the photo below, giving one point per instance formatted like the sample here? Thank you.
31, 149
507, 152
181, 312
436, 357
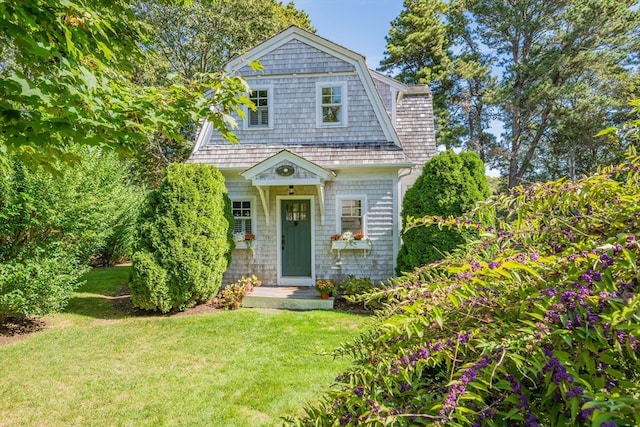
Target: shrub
535, 323
51, 226
450, 184
231, 296
118, 244
184, 240
37, 285
354, 286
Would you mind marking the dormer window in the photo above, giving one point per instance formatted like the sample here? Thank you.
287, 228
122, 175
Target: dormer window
261, 117
332, 104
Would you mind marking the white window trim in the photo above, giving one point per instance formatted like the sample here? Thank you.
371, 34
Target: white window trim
254, 222
345, 119
363, 200
247, 110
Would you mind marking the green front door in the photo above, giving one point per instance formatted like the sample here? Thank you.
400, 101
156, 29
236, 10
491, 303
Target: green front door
296, 238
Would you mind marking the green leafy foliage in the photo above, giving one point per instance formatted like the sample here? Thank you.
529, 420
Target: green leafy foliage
450, 184
537, 322
67, 79
38, 284
184, 240
354, 286
51, 228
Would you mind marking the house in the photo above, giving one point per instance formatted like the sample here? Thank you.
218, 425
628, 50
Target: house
330, 149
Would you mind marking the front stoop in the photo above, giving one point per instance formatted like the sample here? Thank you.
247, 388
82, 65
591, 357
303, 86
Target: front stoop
292, 298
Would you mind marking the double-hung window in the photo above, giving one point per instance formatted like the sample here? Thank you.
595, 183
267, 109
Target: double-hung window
351, 210
243, 214
332, 104
262, 116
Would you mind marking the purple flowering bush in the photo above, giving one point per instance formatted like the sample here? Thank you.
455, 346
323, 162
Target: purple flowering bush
536, 323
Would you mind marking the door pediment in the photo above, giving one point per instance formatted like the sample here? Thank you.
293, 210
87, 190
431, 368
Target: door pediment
287, 168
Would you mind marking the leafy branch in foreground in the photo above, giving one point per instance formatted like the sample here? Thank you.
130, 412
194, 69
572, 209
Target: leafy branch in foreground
66, 72
534, 323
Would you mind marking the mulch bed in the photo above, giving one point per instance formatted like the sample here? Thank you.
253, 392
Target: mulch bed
15, 327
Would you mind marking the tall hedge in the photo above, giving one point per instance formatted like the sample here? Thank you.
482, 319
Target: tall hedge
450, 184
53, 226
184, 240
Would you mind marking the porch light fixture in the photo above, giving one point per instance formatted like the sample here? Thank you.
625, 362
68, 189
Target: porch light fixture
291, 190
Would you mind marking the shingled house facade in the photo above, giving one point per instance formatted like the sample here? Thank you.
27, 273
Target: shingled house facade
330, 150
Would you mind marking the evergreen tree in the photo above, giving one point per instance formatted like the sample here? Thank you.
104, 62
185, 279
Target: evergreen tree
184, 240
553, 72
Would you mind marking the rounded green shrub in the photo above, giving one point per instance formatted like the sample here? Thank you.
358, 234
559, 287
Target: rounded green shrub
450, 184
184, 240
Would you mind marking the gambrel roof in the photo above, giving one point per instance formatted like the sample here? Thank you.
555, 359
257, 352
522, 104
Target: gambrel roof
378, 133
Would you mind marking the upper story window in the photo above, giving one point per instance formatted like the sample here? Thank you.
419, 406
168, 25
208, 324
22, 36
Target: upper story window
261, 117
332, 104
351, 215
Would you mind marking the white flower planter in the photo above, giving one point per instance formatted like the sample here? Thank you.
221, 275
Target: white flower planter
363, 245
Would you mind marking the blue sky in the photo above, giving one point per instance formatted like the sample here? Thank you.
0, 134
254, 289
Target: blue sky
359, 25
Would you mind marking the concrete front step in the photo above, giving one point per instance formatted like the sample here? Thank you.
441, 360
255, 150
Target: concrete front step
292, 298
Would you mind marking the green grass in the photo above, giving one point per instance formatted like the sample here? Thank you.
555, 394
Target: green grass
95, 367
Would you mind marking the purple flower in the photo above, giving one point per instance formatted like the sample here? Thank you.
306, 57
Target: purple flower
587, 277
533, 256
585, 414
493, 265
558, 371
574, 391
423, 353
606, 260
463, 337
516, 387
451, 400
359, 392
346, 418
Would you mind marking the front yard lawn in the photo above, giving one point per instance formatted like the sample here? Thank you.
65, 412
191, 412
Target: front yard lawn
95, 366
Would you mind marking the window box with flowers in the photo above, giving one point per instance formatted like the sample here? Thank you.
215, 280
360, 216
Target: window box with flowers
245, 241
349, 241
